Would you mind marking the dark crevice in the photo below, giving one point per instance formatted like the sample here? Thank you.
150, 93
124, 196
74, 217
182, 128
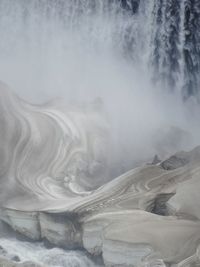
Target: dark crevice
130, 5
159, 206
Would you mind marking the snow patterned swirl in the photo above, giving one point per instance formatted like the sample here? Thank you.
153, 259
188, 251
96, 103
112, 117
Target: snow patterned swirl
50, 153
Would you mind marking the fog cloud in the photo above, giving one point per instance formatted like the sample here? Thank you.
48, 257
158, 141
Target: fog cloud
78, 57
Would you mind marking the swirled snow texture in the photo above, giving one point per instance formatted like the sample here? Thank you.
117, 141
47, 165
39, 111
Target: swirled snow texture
49, 153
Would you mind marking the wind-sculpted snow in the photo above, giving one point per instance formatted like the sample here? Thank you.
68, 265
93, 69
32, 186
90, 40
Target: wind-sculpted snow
148, 216
49, 153
116, 220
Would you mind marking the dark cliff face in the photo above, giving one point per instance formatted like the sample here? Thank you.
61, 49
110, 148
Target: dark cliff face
175, 43
191, 48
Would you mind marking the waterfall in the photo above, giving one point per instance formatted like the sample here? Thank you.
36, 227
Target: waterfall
58, 39
51, 31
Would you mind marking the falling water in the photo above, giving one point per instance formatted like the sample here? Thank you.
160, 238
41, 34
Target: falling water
36, 252
56, 44
63, 39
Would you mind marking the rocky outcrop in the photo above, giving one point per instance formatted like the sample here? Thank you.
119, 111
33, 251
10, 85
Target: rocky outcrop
25, 223
156, 160
174, 162
60, 230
